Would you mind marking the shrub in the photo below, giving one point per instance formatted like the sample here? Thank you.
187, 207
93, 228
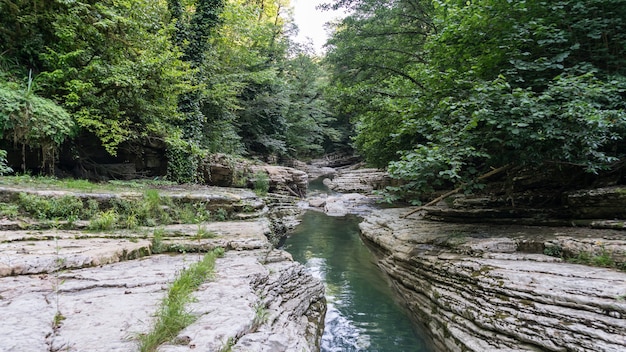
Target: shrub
261, 183
104, 221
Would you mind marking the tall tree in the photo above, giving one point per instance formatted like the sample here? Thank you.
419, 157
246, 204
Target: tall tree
193, 30
263, 91
108, 63
482, 84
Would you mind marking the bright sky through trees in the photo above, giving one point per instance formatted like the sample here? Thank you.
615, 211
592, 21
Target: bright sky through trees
311, 22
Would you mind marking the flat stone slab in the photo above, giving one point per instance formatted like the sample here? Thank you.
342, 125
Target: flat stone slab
108, 286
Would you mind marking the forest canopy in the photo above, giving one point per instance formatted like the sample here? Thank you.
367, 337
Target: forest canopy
196, 76
436, 91
442, 91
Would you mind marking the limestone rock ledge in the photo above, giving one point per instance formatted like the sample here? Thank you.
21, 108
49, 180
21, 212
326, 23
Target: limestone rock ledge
491, 288
108, 288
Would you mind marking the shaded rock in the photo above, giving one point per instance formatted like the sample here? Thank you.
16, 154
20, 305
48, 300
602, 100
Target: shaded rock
359, 181
587, 207
598, 203
225, 171
490, 288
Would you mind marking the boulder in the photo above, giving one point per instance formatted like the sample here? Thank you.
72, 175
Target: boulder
282, 179
312, 170
359, 181
225, 171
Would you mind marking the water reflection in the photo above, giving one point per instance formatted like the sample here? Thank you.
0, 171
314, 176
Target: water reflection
362, 315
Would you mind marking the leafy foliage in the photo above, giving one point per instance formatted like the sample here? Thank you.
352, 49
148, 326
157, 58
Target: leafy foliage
440, 91
193, 76
4, 168
33, 121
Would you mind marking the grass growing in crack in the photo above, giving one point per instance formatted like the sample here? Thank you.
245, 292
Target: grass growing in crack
157, 241
220, 214
203, 233
553, 251
10, 211
60, 264
193, 213
151, 210
228, 346
49, 207
604, 259
172, 316
261, 314
104, 221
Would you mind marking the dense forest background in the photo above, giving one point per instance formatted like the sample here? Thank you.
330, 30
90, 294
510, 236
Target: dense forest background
91, 80
438, 91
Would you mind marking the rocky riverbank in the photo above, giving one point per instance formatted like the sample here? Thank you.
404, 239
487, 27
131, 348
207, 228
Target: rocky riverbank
479, 278
505, 287
83, 290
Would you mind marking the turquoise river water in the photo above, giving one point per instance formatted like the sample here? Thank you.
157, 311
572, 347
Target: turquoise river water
362, 313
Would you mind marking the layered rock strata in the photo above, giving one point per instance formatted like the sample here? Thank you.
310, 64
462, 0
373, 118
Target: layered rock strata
492, 288
73, 290
587, 207
221, 170
358, 181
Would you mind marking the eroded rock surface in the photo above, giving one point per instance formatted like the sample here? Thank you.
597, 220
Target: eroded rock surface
221, 170
71, 290
359, 181
342, 204
492, 288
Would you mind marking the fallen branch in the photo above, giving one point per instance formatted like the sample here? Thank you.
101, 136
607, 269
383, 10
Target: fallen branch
454, 191
293, 192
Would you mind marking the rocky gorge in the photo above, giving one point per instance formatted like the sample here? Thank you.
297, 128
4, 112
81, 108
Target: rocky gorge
476, 275
479, 275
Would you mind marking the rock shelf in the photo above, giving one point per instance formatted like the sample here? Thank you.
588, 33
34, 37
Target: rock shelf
491, 287
76, 290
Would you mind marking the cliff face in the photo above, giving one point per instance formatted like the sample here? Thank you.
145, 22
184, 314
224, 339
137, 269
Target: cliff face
491, 287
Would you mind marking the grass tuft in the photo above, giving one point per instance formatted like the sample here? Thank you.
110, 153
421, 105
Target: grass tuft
172, 316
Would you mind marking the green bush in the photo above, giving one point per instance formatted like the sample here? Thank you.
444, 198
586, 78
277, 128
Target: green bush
104, 221
10, 211
261, 183
45, 208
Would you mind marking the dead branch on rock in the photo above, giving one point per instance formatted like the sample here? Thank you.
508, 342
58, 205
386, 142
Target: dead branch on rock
454, 191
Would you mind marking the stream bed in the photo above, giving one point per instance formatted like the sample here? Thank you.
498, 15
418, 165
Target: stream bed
362, 313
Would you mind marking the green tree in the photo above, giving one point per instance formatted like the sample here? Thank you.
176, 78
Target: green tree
193, 30
309, 120
483, 84
264, 94
29, 120
109, 64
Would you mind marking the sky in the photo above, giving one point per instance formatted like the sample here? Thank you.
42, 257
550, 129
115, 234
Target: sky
310, 22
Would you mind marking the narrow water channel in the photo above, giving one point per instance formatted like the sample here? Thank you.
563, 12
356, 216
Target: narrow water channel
362, 314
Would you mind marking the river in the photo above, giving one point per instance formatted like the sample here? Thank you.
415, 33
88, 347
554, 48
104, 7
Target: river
362, 313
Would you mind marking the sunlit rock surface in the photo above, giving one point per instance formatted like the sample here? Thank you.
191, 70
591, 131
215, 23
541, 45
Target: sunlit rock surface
105, 288
359, 181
